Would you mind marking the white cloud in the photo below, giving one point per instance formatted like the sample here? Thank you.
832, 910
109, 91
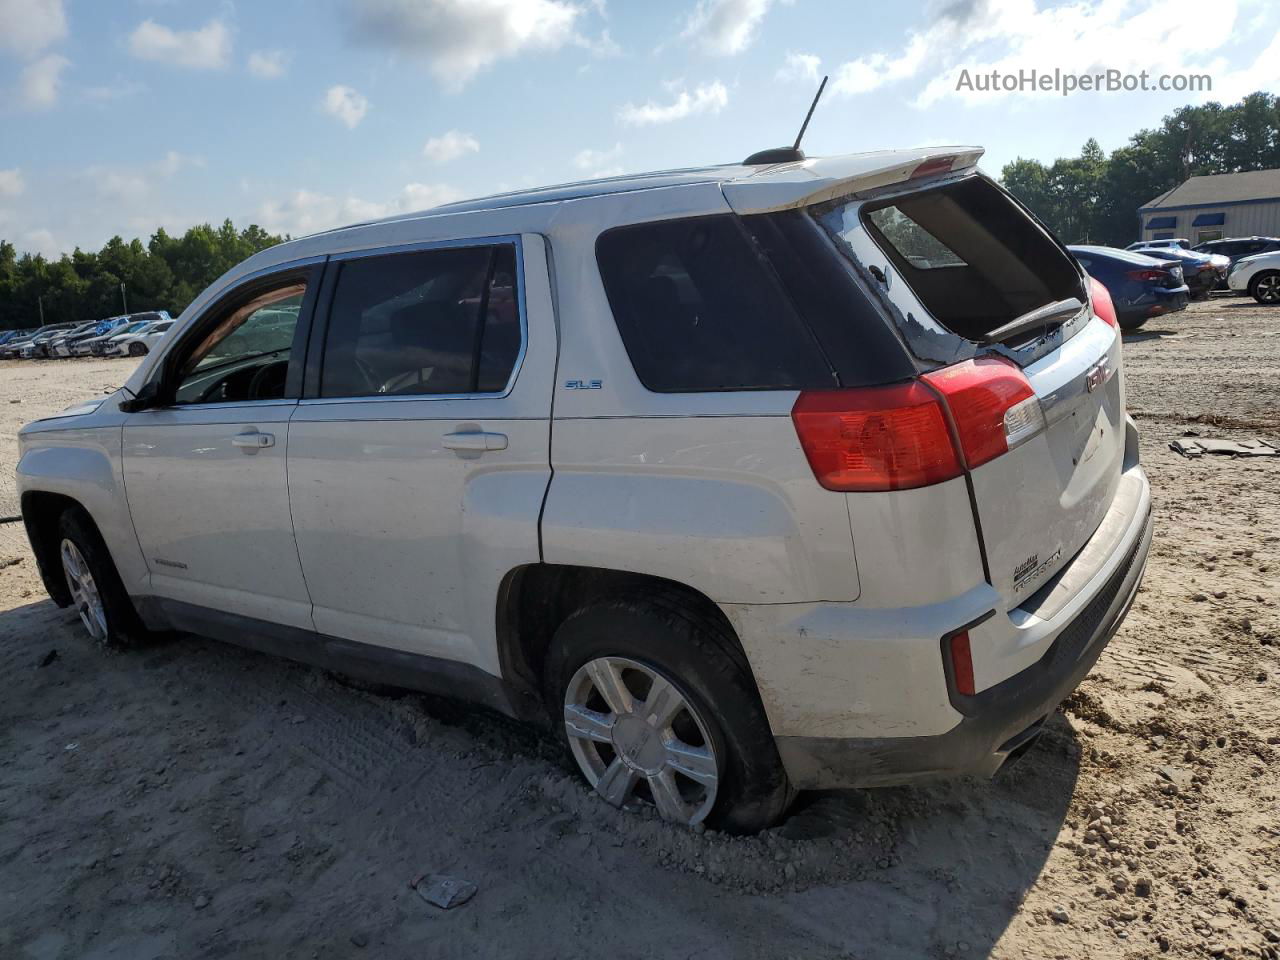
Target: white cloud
450, 146
38, 85
708, 98
306, 211
42, 242
724, 27
11, 183
104, 93
208, 48
268, 63
346, 104
599, 163
29, 26
421, 196
803, 67
1087, 36
459, 38
173, 161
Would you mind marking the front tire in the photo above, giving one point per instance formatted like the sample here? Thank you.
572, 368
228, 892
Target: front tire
97, 593
1265, 287
137, 350
657, 703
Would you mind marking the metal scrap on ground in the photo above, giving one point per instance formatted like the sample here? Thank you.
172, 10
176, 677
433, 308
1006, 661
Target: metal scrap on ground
1199, 446
443, 891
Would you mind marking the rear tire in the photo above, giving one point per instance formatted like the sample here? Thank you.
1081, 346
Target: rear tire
98, 594
692, 736
1131, 322
1265, 287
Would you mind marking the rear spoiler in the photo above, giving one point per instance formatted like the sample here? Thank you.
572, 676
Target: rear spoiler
785, 186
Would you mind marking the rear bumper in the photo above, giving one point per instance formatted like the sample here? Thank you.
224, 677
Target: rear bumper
995, 723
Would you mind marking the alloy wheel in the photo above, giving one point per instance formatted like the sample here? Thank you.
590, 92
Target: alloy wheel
634, 734
1269, 288
84, 591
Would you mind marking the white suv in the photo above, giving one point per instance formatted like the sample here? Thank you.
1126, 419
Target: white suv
746, 479
1258, 276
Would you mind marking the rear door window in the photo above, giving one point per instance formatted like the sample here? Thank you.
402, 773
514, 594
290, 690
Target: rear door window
701, 310
432, 322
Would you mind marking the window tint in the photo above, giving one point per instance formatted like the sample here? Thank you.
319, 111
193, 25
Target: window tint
246, 354
700, 310
410, 323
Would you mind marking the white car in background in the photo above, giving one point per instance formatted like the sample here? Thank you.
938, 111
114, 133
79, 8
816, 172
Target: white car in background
109, 345
138, 343
1258, 276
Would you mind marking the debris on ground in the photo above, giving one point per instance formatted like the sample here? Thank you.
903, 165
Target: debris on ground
1193, 448
47, 659
444, 891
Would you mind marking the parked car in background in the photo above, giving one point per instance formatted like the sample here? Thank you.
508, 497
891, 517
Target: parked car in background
131, 342
1181, 243
1201, 271
1258, 276
104, 345
1141, 287
60, 346
38, 346
747, 479
1236, 248
144, 342
11, 345
83, 346
99, 346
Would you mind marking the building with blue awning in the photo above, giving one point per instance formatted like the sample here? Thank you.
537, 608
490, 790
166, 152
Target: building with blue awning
1214, 207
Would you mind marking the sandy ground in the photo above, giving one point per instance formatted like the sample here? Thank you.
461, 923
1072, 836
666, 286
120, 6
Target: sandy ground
195, 799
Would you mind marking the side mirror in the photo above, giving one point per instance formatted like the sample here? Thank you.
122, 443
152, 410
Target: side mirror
147, 398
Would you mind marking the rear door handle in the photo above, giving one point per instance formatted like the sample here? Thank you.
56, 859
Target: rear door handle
252, 440
476, 440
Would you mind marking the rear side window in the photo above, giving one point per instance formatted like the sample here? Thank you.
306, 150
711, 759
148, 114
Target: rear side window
441, 321
700, 310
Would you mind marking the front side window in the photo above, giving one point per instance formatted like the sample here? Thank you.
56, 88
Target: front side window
431, 322
245, 355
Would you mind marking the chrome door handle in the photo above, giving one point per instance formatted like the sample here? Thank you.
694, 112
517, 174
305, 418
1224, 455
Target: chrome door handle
476, 440
252, 440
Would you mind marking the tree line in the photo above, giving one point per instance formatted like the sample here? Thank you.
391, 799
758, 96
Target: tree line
165, 274
1094, 198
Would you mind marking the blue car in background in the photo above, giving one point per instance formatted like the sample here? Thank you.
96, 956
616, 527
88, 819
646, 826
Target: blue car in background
1141, 286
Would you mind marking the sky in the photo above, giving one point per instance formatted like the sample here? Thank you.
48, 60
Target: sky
121, 116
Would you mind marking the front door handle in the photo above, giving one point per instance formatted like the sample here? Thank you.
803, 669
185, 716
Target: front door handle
251, 441
475, 440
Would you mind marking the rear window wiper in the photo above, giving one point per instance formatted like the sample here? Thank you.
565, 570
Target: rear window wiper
1059, 311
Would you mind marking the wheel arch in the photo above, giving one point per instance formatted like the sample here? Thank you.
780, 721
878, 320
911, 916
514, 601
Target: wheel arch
41, 512
534, 599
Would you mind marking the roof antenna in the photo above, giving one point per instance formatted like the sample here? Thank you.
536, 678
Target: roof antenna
793, 152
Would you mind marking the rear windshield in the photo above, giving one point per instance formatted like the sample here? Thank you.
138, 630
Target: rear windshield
971, 255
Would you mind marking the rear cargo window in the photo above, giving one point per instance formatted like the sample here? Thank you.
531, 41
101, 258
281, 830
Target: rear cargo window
699, 309
971, 255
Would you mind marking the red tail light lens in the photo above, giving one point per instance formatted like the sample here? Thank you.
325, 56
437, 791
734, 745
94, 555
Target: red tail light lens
993, 406
898, 438
962, 663
933, 165
1147, 276
1103, 306
877, 438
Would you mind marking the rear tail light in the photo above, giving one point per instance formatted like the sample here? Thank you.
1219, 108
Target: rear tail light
898, 437
1103, 306
1147, 276
876, 438
962, 663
